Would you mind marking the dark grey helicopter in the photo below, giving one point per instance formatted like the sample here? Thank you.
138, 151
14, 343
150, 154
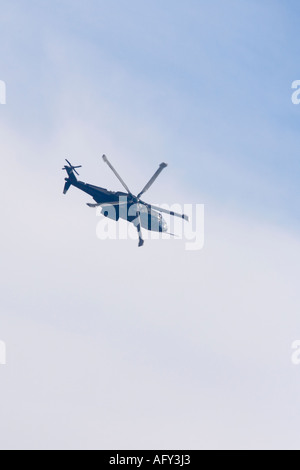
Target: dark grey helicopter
117, 205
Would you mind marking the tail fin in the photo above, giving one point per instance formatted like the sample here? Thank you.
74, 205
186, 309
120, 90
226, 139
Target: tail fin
69, 181
67, 185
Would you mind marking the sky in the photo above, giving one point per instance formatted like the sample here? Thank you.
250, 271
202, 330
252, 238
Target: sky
114, 347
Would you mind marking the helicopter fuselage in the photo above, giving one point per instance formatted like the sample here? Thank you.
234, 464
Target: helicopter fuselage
116, 205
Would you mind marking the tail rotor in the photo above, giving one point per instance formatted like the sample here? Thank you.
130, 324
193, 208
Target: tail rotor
71, 167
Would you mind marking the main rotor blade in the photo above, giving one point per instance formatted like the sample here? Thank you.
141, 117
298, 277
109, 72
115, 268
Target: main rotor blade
162, 166
117, 174
165, 211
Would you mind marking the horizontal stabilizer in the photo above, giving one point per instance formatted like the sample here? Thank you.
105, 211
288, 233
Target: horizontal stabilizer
93, 205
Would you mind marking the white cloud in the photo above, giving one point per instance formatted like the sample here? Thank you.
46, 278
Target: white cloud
110, 346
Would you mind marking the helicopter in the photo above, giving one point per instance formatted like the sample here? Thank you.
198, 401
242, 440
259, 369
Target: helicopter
125, 205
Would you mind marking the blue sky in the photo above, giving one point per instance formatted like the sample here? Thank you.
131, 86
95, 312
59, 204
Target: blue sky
214, 77
102, 339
